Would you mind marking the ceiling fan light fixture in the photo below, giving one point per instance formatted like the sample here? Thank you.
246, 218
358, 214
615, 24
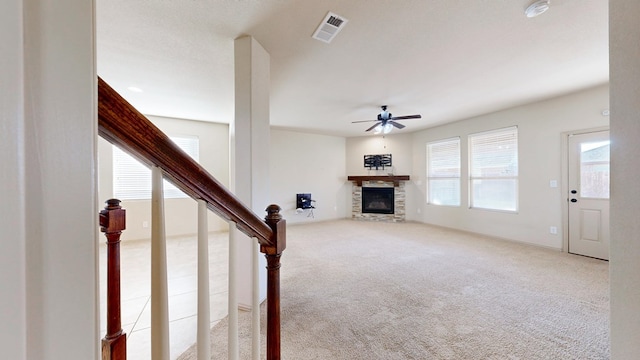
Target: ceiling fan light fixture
386, 122
537, 8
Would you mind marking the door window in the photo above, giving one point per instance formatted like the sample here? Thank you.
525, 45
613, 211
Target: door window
594, 170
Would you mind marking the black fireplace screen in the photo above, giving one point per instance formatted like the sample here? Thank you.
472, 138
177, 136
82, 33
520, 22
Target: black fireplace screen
377, 200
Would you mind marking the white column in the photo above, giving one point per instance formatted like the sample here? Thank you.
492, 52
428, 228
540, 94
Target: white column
232, 336
48, 261
204, 319
159, 291
624, 265
249, 143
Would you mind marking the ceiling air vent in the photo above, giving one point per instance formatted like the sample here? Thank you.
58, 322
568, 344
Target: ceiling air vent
329, 27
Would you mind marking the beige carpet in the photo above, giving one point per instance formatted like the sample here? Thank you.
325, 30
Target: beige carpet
367, 290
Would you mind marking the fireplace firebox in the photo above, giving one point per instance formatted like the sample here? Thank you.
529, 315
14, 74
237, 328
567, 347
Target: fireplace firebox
377, 200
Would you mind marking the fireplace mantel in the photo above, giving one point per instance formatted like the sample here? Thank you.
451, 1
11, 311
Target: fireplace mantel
395, 179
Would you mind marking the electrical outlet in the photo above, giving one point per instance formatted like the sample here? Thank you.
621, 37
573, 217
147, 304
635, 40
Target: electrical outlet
553, 230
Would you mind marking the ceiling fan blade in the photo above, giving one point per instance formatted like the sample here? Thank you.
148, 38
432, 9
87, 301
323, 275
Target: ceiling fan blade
361, 121
398, 125
406, 117
373, 127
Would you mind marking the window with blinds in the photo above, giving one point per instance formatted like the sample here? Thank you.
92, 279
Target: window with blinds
132, 180
493, 169
443, 172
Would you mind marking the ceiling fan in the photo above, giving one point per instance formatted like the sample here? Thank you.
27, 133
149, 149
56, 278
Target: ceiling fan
386, 121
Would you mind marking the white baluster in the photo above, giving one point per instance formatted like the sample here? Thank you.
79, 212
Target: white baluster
234, 236
204, 320
159, 293
255, 302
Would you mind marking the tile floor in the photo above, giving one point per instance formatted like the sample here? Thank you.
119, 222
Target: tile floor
182, 287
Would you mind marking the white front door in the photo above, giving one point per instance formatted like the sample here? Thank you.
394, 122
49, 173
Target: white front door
589, 194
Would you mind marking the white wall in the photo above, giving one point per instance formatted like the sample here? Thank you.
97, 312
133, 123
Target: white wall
301, 166
308, 163
12, 216
399, 146
625, 166
540, 126
180, 214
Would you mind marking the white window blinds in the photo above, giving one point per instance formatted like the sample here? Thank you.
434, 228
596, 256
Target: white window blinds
493, 169
443, 172
132, 180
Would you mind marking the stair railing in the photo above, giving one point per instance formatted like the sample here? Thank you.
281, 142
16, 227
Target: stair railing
122, 125
112, 222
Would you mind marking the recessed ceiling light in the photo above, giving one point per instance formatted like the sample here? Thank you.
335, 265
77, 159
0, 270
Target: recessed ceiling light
537, 8
134, 89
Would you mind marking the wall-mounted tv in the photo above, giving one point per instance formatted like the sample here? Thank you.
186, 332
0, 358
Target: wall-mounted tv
377, 161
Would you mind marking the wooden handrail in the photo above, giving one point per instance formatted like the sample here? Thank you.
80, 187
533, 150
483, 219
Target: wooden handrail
121, 124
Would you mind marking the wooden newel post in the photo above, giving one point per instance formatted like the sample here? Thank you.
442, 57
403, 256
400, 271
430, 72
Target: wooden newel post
112, 222
272, 253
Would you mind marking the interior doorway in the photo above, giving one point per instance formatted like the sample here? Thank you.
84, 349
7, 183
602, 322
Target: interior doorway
588, 194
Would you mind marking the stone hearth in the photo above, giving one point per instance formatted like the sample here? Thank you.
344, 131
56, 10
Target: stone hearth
399, 199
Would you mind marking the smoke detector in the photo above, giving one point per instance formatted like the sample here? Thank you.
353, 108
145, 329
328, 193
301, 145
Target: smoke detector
537, 8
329, 27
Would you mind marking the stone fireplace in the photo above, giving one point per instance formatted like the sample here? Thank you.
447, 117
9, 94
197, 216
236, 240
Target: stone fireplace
379, 198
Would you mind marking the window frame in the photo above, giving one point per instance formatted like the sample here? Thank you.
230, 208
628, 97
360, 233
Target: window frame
513, 176
430, 177
140, 174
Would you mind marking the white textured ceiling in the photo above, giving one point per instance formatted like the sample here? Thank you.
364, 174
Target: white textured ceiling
445, 59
